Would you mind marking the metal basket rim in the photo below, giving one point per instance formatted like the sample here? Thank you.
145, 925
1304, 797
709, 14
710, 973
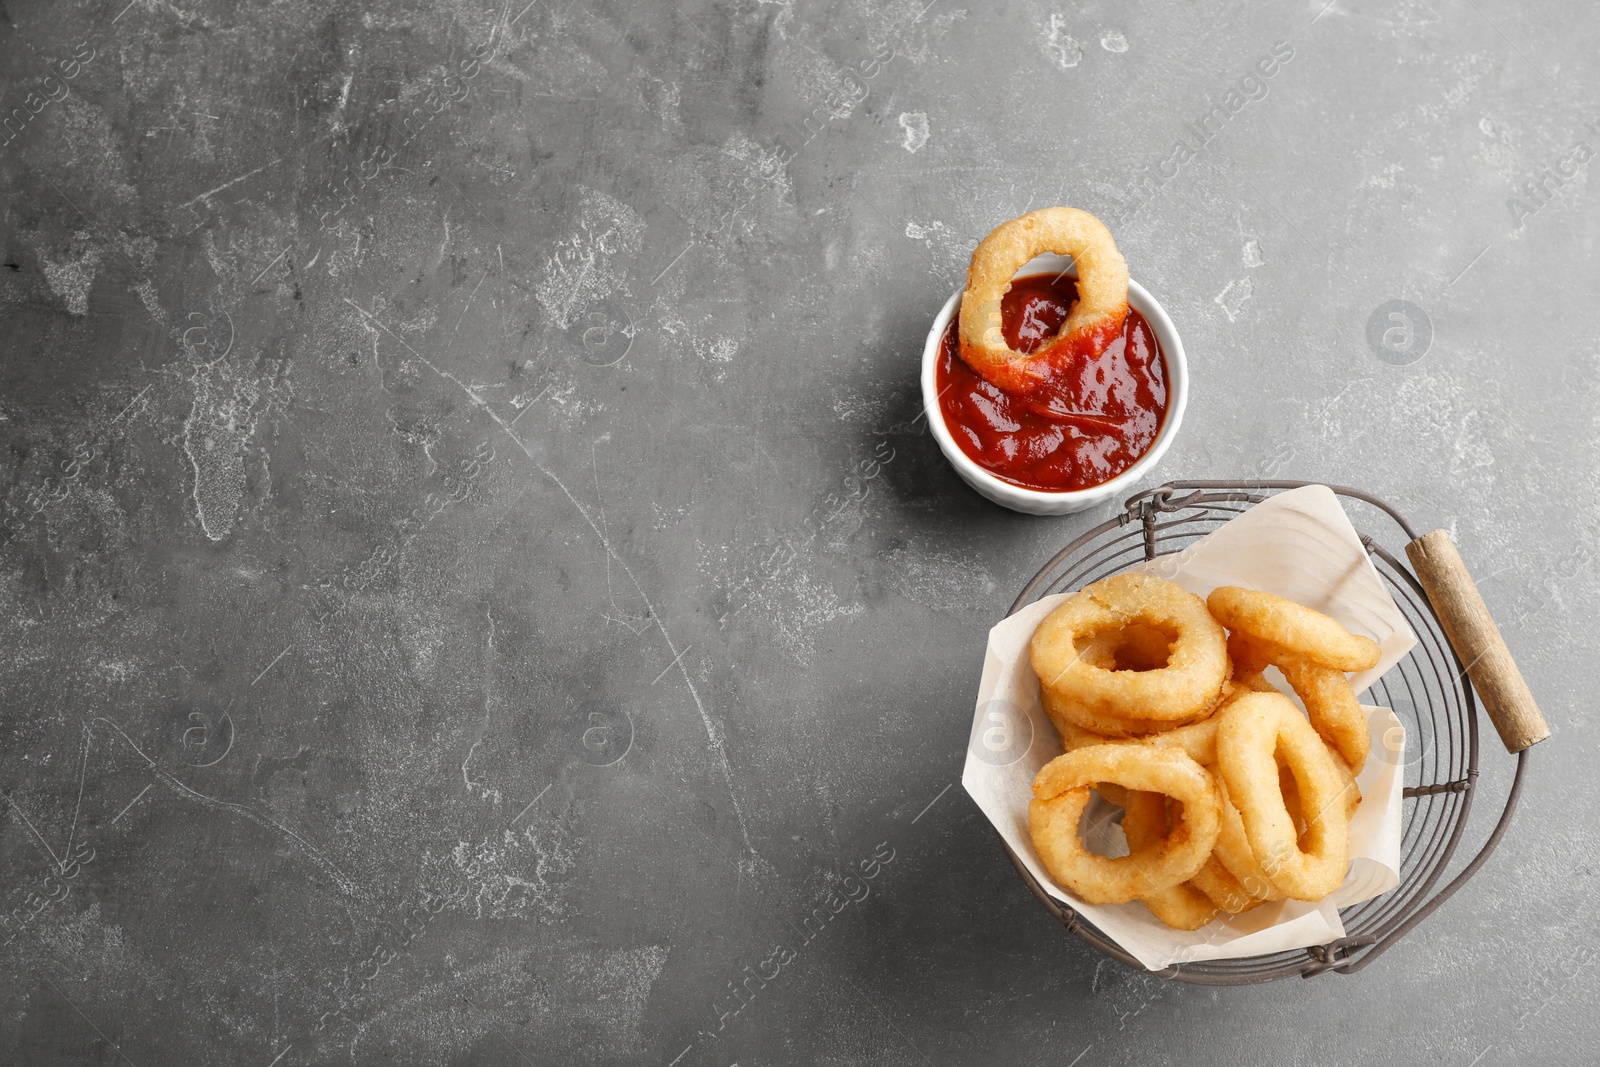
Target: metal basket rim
1351, 953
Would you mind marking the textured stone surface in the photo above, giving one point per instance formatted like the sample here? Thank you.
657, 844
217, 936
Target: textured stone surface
473, 581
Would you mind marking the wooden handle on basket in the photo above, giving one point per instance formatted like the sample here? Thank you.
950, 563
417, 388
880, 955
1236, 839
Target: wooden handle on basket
1476, 639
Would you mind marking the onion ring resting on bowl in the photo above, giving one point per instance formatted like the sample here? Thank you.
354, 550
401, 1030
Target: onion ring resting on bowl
1094, 322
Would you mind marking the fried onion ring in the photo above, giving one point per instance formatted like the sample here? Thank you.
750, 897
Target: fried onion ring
1295, 627
1197, 740
1133, 648
1224, 891
1071, 713
1096, 317
1333, 708
1234, 853
1252, 730
1186, 689
1144, 824
1076, 737
1248, 657
1061, 792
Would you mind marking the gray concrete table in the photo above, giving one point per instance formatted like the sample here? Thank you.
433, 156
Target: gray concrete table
476, 589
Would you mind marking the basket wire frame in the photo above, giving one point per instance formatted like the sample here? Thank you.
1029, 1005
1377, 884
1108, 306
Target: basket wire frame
1428, 690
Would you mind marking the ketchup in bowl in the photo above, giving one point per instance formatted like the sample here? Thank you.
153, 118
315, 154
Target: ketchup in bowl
1100, 413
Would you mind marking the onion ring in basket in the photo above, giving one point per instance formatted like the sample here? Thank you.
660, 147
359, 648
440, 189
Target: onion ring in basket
1225, 891
1112, 727
1333, 708
1076, 737
1249, 659
1144, 824
1234, 853
1184, 690
1133, 648
1252, 730
1101, 652
1292, 626
1061, 792
1197, 740
1093, 323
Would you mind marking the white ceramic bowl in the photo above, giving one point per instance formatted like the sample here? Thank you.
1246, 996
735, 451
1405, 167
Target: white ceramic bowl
1038, 502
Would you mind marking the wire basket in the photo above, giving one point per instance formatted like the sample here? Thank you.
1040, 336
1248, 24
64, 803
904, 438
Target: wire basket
1428, 690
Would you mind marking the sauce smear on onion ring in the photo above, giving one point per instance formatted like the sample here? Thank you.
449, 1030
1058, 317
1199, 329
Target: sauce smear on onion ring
1088, 423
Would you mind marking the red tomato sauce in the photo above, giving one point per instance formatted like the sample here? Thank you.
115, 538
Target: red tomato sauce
1095, 419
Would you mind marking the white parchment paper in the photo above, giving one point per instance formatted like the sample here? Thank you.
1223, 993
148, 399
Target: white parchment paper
1300, 545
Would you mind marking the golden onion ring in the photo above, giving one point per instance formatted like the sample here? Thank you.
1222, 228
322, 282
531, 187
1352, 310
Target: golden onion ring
1332, 707
1184, 690
1145, 825
1253, 729
1096, 317
1295, 627
1224, 891
1061, 792
1197, 740
1234, 853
